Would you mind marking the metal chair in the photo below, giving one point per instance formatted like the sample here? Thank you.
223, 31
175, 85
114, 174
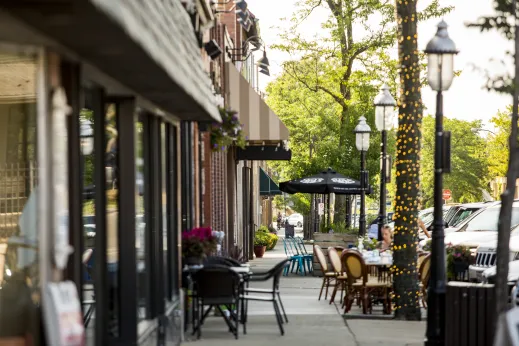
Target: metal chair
214, 286
269, 295
294, 257
328, 276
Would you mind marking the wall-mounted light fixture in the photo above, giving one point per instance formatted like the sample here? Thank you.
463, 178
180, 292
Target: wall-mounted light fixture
213, 49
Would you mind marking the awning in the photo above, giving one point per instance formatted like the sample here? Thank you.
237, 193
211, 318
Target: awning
264, 153
148, 46
267, 186
260, 123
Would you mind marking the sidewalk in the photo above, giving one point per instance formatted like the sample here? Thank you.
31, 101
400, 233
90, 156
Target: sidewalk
311, 322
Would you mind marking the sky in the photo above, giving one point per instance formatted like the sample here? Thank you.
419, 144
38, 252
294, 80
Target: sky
466, 99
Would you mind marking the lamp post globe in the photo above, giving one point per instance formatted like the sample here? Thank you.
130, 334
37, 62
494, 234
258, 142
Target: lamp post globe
440, 72
440, 54
384, 109
362, 131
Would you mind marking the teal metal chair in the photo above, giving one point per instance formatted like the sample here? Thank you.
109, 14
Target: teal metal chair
308, 257
296, 260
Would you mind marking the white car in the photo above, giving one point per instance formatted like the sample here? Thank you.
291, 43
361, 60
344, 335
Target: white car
295, 220
482, 228
486, 256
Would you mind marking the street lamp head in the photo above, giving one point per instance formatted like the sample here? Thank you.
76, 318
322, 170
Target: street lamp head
362, 131
440, 52
384, 108
263, 62
265, 71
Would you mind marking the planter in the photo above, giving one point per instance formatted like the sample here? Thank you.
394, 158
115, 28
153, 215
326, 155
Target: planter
193, 261
325, 240
460, 267
259, 251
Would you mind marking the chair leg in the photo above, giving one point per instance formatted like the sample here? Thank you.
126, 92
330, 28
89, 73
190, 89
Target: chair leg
325, 279
282, 307
327, 286
332, 298
364, 301
278, 317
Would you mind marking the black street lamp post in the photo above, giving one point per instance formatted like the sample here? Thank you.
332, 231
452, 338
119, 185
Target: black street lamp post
384, 110
440, 72
362, 131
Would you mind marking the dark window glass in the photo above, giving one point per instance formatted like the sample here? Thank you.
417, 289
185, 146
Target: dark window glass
19, 233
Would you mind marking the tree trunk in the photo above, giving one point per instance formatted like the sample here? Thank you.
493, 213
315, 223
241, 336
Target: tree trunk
407, 166
507, 197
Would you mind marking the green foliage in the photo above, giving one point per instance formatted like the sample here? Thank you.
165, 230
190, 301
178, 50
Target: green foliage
263, 229
273, 240
459, 254
340, 227
369, 244
261, 239
497, 144
227, 133
469, 161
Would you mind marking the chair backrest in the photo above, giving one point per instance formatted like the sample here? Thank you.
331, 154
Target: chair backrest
425, 270
293, 245
421, 257
301, 244
277, 271
217, 281
210, 260
335, 260
318, 252
355, 266
288, 251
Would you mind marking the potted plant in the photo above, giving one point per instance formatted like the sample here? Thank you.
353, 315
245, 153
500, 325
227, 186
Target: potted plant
365, 243
228, 132
196, 244
459, 258
261, 241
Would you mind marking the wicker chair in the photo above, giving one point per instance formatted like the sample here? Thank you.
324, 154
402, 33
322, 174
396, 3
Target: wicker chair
424, 274
340, 277
328, 276
359, 284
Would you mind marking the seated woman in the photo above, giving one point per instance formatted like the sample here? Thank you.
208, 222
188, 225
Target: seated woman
387, 238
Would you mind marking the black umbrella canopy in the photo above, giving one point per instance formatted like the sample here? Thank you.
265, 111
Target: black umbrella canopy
326, 182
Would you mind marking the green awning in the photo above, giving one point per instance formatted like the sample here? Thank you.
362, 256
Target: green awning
267, 186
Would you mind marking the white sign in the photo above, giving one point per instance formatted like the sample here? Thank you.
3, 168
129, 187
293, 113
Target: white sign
63, 317
321, 209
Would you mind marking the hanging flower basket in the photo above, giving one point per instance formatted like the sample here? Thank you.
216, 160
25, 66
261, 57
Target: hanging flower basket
229, 132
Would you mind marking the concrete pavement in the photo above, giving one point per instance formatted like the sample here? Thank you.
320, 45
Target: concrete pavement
311, 322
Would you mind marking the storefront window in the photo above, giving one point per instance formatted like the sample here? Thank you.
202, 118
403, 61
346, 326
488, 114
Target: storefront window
19, 277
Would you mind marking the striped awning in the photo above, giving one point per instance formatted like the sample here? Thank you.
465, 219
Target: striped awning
260, 123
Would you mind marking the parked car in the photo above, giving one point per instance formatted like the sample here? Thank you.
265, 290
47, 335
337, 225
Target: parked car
295, 220
482, 227
486, 256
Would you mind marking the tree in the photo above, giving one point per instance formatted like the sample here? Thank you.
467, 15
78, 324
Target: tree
330, 62
498, 144
410, 109
469, 163
505, 22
